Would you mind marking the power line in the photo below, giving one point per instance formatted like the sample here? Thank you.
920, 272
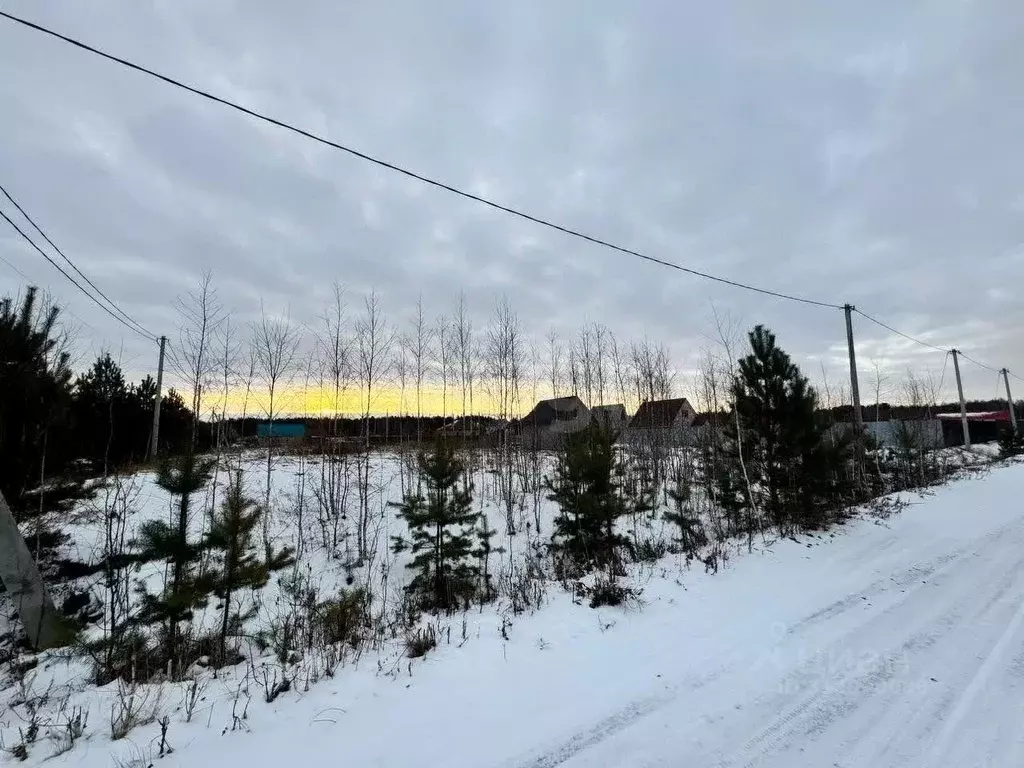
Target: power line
982, 365
923, 343
406, 172
899, 333
81, 274
9, 264
942, 378
78, 285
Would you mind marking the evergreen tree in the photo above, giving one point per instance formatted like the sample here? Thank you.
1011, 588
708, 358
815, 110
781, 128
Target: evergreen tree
38, 474
187, 589
794, 474
484, 534
231, 534
101, 402
586, 487
1011, 443
441, 530
692, 535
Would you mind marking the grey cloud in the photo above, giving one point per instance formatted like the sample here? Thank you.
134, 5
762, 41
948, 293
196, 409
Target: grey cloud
850, 152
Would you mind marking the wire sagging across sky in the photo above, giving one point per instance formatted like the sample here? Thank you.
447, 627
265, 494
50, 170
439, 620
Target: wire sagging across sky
405, 171
536, 219
73, 281
133, 323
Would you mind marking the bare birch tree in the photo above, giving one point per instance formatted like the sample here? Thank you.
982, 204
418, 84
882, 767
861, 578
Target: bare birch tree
504, 372
335, 358
374, 342
275, 344
465, 346
554, 361
200, 315
620, 370
444, 356
418, 343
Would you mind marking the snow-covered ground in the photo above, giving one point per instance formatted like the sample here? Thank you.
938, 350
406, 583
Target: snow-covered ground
882, 643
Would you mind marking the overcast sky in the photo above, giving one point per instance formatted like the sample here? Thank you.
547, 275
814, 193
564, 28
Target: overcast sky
866, 152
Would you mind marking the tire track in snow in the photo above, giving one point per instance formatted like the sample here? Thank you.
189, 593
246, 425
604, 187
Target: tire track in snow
980, 678
812, 716
832, 708
613, 723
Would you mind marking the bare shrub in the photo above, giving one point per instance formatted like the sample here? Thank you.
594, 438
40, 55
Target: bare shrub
194, 693
68, 727
342, 620
420, 641
527, 585
609, 592
273, 680
134, 705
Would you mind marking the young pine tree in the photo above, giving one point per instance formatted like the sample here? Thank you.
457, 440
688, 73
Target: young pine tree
691, 536
586, 488
1011, 443
187, 589
793, 473
39, 476
442, 532
232, 536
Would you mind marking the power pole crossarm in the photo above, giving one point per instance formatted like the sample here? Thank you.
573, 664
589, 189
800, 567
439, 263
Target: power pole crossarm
963, 404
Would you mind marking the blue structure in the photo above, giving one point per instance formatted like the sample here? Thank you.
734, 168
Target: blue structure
281, 429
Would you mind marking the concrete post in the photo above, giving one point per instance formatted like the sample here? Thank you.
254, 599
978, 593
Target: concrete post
1009, 398
858, 416
154, 446
21, 578
963, 404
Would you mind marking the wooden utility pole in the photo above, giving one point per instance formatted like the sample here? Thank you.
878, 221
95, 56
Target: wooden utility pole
155, 444
1009, 398
858, 417
960, 391
24, 584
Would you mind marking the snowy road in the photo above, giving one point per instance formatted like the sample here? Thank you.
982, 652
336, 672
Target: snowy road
906, 649
893, 644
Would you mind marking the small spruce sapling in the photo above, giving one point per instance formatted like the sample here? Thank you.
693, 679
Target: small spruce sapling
232, 536
441, 533
691, 536
586, 487
187, 589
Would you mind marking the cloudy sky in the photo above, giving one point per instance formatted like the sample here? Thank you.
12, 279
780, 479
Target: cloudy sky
851, 152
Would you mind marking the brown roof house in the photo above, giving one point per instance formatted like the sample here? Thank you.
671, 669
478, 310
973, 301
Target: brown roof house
661, 420
612, 418
551, 420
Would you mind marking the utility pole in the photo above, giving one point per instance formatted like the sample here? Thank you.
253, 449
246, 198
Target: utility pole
858, 417
1009, 398
963, 405
156, 404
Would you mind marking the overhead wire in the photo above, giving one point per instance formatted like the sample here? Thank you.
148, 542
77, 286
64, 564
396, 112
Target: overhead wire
79, 272
9, 264
899, 333
74, 282
309, 134
976, 362
405, 171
